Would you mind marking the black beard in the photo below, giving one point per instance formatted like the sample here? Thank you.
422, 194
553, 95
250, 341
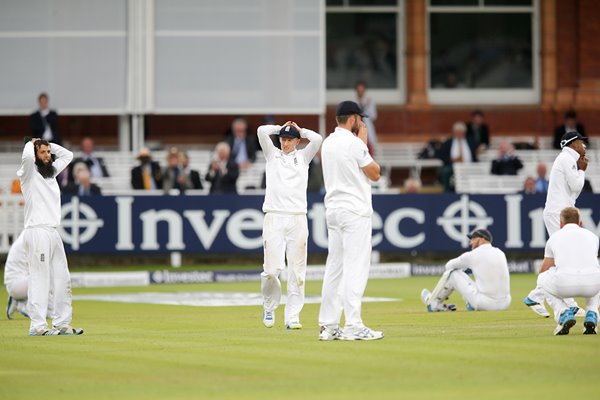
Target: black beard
46, 170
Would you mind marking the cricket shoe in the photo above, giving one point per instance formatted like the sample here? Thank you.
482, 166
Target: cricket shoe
69, 330
327, 334
363, 333
565, 322
426, 297
11, 307
536, 307
45, 332
268, 318
577, 311
293, 325
590, 323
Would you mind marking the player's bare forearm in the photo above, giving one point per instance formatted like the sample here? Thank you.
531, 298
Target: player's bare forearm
547, 264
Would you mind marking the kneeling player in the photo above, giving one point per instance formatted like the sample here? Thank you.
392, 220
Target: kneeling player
16, 275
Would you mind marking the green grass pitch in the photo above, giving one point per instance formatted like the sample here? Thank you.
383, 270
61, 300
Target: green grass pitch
137, 351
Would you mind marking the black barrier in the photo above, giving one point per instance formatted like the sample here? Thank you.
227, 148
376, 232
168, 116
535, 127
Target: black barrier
226, 224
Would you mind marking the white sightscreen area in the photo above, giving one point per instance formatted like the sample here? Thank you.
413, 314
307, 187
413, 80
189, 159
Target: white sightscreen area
239, 56
75, 50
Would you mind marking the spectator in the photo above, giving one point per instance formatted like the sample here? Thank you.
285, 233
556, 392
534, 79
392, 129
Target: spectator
411, 185
507, 162
367, 104
191, 175
478, 131
95, 164
242, 145
82, 185
44, 122
569, 125
172, 175
223, 171
431, 150
457, 149
541, 182
147, 175
529, 186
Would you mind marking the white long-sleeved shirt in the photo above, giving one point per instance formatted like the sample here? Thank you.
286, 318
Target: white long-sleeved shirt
343, 156
574, 250
287, 174
42, 195
566, 182
489, 267
16, 266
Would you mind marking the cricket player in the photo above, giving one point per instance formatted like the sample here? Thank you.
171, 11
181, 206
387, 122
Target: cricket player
48, 269
570, 268
567, 177
16, 276
285, 227
491, 289
347, 168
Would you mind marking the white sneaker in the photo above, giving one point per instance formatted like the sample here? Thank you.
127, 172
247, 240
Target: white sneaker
425, 296
330, 333
293, 325
536, 307
69, 330
363, 333
11, 307
268, 318
45, 332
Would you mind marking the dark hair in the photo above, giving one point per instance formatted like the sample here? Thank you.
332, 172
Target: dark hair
38, 143
43, 94
46, 170
342, 119
477, 112
571, 114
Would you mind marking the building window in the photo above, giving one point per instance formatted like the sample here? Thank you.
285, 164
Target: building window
364, 43
483, 51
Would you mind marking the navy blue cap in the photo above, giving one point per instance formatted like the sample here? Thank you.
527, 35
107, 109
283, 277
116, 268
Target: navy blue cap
348, 108
481, 233
289, 131
570, 137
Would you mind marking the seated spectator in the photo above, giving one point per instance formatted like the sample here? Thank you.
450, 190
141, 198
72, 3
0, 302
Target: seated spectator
431, 150
172, 175
241, 143
478, 132
507, 162
95, 164
411, 186
147, 175
529, 186
223, 171
541, 182
191, 175
457, 149
82, 184
569, 125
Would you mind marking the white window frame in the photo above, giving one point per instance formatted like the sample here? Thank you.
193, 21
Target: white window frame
381, 96
488, 96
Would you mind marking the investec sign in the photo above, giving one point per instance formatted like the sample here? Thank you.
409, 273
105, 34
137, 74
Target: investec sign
233, 223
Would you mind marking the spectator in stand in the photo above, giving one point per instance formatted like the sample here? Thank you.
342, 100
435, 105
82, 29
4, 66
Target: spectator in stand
241, 143
411, 185
478, 131
457, 149
82, 185
44, 122
223, 171
191, 175
367, 104
95, 164
507, 162
172, 175
147, 175
529, 186
541, 182
569, 125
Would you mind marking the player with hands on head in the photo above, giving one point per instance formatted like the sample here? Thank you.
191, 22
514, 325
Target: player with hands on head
491, 289
567, 178
285, 226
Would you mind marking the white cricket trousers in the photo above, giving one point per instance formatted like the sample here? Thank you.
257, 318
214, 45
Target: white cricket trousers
347, 268
461, 282
284, 236
48, 273
560, 286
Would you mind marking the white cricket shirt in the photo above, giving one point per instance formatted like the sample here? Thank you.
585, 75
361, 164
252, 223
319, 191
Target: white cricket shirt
42, 196
566, 182
343, 156
489, 267
574, 249
16, 266
286, 174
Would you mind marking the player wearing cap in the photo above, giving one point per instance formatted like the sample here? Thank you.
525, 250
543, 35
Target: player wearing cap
48, 269
570, 268
491, 289
285, 228
567, 177
347, 168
